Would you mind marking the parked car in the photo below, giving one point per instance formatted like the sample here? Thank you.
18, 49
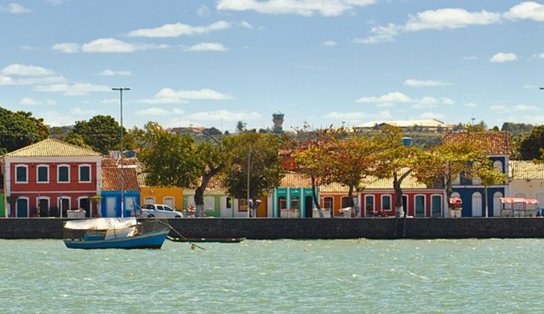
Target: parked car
159, 211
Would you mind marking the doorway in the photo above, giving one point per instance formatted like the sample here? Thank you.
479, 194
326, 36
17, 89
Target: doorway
308, 207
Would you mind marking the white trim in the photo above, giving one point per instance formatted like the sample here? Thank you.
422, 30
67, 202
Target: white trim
27, 206
38, 174
58, 173
424, 204
89, 202
441, 204
390, 202
59, 203
79, 173
373, 202
27, 174
332, 202
48, 204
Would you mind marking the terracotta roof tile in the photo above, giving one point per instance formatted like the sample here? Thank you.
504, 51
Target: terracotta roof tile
52, 148
493, 142
111, 179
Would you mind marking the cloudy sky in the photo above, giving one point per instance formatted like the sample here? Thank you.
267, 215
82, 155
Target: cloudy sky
320, 62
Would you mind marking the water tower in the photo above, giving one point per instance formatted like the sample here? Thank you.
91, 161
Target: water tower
278, 123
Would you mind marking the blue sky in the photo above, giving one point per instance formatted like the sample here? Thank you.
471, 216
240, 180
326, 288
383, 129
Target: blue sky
320, 62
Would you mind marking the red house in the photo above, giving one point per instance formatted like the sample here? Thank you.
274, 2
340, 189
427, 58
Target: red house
48, 178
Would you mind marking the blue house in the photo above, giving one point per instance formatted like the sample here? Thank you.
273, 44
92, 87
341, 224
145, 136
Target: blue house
472, 193
119, 183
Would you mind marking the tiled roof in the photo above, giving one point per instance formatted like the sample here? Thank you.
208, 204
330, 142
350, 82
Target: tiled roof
52, 148
111, 179
526, 170
493, 142
295, 180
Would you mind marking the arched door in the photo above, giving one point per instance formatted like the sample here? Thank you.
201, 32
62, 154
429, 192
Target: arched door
497, 204
477, 204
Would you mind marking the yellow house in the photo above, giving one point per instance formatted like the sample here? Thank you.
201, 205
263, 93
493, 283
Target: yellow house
171, 196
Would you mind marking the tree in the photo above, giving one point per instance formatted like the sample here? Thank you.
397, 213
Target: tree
353, 159
253, 160
488, 175
531, 146
102, 133
169, 159
211, 160
313, 160
76, 139
20, 129
240, 126
395, 160
448, 160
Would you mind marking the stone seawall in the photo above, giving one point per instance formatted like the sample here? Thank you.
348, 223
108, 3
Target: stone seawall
280, 228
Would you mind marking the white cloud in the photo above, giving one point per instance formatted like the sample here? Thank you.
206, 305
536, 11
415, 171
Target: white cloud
203, 11
380, 34
14, 8
27, 101
300, 7
108, 72
116, 46
425, 83
393, 97
512, 109
26, 70
66, 47
528, 10
224, 115
83, 112
245, 25
170, 96
5, 80
157, 112
178, 29
207, 47
329, 43
54, 118
76, 89
503, 57
449, 18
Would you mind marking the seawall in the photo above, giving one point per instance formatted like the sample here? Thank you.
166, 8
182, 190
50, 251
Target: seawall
285, 228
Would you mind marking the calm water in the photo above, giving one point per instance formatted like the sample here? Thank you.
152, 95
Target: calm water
283, 276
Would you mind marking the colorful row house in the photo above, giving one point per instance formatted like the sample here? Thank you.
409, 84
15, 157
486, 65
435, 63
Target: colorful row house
217, 203
293, 198
378, 199
471, 192
51, 178
120, 189
526, 182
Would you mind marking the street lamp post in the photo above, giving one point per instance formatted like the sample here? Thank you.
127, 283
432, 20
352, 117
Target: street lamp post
248, 176
121, 89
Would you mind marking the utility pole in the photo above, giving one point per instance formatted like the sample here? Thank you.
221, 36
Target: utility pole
121, 89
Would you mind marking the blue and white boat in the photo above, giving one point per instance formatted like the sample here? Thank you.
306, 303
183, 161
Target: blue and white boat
115, 233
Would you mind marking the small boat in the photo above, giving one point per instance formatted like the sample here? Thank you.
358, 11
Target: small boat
221, 240
115, 233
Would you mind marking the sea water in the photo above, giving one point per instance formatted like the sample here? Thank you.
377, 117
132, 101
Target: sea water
281, 276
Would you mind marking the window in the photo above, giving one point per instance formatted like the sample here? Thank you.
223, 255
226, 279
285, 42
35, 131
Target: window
294, 202
169, 200
63, 174
21, 174
85, 174
436, 205
43, 174
345, 202
209, 203
327, 203
420, 205
242, 205
149, 200
386, 202
282, 202
22, 207
476, 204
497, 164
369, 204
229, 202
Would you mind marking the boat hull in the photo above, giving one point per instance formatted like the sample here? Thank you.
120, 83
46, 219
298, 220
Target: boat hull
151, 240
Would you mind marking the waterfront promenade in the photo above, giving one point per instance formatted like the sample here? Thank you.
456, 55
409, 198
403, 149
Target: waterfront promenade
285, 228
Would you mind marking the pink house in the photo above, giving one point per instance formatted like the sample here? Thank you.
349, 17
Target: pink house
48, 178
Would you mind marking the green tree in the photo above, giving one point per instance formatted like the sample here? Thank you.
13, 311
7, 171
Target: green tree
395, 160
169, 159
531, 146
313, 160
487, 175
20, 129
76, 139
211, 160
252, 159
101, 132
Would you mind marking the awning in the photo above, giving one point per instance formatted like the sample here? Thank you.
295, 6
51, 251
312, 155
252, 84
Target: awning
456, 201
518, 200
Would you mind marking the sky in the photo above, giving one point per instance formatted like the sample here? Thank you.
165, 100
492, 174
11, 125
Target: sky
319, 62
